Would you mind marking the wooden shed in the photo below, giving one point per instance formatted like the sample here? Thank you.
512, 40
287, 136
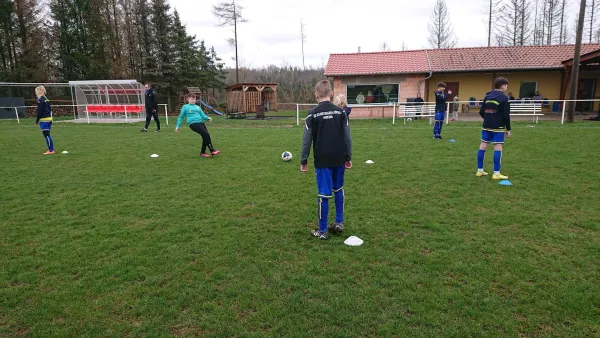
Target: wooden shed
245, 97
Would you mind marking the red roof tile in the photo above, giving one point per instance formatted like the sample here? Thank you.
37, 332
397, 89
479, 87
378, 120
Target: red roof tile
454, 60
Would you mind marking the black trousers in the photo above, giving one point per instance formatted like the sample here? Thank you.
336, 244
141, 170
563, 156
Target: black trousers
149, 115
200, 128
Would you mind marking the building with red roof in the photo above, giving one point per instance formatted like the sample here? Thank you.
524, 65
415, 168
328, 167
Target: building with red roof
371, 80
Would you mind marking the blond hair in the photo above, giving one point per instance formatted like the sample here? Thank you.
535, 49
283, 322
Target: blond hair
341, 101
40, 91
323, 89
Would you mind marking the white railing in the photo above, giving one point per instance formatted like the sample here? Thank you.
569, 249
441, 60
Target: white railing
530, 108
87, 112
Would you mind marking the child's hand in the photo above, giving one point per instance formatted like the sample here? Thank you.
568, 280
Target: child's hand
210, 118
304, 168
348, 164
449, 92
177, 130
508, 134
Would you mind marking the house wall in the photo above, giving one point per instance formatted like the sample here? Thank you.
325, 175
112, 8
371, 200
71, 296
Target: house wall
470, 85
408, 89
477, 84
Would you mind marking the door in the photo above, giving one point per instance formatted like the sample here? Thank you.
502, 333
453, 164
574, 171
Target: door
587, 87
453, 87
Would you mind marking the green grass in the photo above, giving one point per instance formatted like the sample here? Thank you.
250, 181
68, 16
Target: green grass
106, 241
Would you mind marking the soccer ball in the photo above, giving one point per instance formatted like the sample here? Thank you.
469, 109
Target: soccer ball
409, 119
286, 156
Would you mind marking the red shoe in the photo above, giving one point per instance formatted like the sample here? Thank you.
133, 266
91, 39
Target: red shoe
48, 152
216, 152
205, 155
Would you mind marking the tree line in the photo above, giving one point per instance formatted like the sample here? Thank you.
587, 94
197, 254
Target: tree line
66, 40
521, 23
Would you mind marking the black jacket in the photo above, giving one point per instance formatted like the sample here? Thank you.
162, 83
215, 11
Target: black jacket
495, 111
326, 128
440, 101
151, 102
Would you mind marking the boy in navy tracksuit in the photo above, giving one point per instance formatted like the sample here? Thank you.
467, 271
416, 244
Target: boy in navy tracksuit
440, 109
44, 117
327, 130
496, 124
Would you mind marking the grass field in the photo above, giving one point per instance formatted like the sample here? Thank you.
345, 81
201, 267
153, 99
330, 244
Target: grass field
106, 241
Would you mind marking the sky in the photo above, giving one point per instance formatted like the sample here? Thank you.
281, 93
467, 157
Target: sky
272, 34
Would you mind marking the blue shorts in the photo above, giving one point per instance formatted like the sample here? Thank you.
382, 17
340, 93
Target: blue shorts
45, 125
330, 180
439, 115
488, 136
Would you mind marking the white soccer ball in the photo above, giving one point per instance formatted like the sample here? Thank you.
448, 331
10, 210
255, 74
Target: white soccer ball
409, 119
286, 156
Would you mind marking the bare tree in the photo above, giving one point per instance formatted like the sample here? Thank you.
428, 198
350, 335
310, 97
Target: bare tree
592, 18
230, 14
551, 19
441, 34
576, 58
384, 47
303, 38
563, 31
403, 46
494, 12
515, 23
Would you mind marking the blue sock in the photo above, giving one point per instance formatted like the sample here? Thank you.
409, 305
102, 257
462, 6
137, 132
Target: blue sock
339, 205
497, 160
480, 157
323, 213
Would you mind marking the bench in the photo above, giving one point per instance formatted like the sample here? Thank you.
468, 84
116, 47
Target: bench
414, 111
527, 109
235, 114
101, 109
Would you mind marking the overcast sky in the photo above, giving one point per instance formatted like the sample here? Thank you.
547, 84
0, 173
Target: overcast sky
272, 33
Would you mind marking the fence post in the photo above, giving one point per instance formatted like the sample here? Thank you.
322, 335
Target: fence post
166, 114
125, 113
87, 110
447, 112
297, 114
394, 117
17, 114
562, 119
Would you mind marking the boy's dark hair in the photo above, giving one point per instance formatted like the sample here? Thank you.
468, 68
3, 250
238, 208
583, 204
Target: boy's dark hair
501, 81
442, 84
188, 95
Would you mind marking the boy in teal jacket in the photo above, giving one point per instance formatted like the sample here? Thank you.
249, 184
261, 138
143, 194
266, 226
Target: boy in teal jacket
195, 118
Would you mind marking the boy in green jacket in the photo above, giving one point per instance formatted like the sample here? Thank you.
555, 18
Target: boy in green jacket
195, 118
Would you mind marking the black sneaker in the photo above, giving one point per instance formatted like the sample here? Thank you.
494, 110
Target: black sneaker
321, 235
144, 130
157, 131
336, 228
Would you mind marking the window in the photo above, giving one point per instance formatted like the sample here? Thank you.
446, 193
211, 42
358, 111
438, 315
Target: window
527, 90
369, 94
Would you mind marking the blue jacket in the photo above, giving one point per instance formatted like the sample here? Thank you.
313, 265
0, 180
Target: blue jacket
44, 111
495, 111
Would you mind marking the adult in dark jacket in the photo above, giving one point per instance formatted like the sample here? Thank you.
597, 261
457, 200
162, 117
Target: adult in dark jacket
151, 108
